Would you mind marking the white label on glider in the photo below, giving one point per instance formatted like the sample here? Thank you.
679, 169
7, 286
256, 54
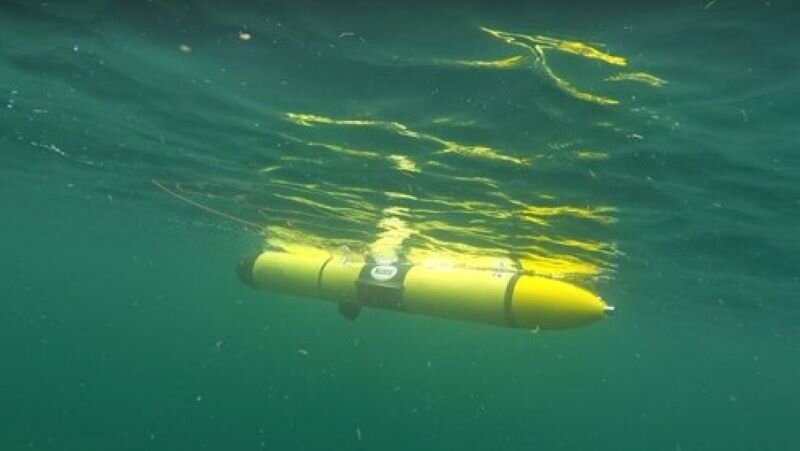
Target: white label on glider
383, 273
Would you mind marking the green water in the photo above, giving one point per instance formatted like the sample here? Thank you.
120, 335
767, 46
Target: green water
124, 325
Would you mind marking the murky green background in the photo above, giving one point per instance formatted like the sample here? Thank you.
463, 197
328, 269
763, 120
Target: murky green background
124, 325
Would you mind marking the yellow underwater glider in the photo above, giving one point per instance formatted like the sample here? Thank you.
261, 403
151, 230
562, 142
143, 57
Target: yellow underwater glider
502, 296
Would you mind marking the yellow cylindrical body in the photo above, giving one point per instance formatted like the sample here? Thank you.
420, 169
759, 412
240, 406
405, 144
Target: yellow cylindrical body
283, 272
470, 295
338, 282
503, 298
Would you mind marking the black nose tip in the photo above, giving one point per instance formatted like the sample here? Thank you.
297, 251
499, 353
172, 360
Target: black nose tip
245, 269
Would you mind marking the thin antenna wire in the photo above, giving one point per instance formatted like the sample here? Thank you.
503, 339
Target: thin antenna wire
206, 208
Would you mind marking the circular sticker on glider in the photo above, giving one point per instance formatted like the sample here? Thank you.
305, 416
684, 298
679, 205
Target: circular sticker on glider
383, 273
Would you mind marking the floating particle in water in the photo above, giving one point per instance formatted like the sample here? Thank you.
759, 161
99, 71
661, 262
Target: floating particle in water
245, 36
185, 48
302, 351
358, 434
